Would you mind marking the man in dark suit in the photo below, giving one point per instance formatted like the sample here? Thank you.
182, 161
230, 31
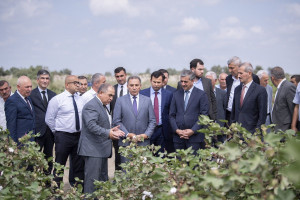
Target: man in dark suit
232, 81
19, 110
204, 84
250, 100
134, 114
40, 97
166, 86
95, 140
186, 106
161, 101
120, 90
283, 107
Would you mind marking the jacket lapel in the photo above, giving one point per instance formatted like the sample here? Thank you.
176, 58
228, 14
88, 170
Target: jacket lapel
163, 97
38, 95
190, 99
102, 109
250, 90
25, 104
130, 106
278, 94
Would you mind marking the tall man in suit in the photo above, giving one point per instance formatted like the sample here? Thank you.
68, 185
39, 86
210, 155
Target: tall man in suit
232, 81
40, 97
250, 100
186, 106
283, 107
5, 92
120, 90
264, 78
161, 101
96, 134
97, 80
134, 114
19, 110
165, 83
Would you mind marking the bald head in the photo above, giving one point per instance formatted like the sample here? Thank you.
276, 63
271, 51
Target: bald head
72, 84
24, 86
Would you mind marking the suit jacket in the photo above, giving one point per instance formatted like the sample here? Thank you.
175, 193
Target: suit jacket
253, 112
221, 99
188, 119
283, 108
270, 97
207, 87
170, 88
229, 82
40, 109
143, 123
94, 139
113, 102
19, 116
166, 98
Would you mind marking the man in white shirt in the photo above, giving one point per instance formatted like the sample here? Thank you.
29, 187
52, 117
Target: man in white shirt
5, 92
97, 80
63, 117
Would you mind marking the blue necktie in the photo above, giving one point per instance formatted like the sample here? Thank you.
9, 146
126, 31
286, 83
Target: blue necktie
76, 114
186, 100
134, 106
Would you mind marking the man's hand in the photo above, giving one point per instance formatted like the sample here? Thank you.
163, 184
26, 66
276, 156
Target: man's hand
186, 134
115, 133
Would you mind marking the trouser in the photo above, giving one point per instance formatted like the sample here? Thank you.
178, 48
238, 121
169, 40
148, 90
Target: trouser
157, 138
117, 155
66, 144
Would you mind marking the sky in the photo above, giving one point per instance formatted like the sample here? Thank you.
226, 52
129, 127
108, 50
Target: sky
90, 36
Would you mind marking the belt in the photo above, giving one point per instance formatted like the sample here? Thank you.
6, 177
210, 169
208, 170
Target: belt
68, 133
158, 126
268, 114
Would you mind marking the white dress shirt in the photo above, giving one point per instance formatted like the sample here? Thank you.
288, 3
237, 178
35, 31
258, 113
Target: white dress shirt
137, 100
60, 115
2, 113
246, 88
152, 96
46, 93
236, 82
124, 89
86, 97
189, 92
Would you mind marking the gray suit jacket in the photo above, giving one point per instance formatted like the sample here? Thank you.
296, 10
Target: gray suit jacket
143, 123
94, 139
221, 99
283, 108
270, 97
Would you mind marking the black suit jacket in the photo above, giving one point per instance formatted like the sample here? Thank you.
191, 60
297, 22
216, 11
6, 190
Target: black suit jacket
188, 119
170, 88
113, 102
207, 87
166, 98
221, 99
40, 109
253, 112
229, 82
19, 116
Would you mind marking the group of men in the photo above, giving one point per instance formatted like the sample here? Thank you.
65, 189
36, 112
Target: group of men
85, 124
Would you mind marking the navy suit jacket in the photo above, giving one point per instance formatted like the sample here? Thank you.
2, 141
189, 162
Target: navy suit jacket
188, 119
170, 88
20, 119
40, 109
166, 98
253, 112
221, 99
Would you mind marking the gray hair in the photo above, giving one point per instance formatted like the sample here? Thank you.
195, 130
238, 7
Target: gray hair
222, 74
134, 77
262, 72
277, 72
236, 60
104, 87
96, 77
2, 82
189, 73
248, 66
211, 73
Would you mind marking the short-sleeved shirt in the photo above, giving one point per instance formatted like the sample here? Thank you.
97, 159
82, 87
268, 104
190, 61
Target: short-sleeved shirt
297, 99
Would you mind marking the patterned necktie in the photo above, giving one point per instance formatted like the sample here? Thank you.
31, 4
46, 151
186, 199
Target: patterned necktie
45, 98
134, 106
242, 95
28, 103
76, 114
121, 92
186, 100
156, 106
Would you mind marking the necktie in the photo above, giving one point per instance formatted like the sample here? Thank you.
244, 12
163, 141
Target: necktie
134, 106
121, 92
44, 98
156, 106
242, 95
28, 103
186, 100
76, 114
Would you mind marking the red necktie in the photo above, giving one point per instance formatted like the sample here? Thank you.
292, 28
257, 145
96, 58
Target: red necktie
242, 95
156, 111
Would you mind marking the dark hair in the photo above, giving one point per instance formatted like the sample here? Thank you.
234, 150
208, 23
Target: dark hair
119, 69
82, 77
2, 82
164, 71
104, 87
42, 72
157, 74
277, 73
193, 63
297, 77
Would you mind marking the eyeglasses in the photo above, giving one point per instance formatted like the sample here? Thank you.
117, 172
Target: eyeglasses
74, 82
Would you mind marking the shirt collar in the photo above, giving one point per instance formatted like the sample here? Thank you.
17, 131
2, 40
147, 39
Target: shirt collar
124, 85
280, 83
190, 89
248, 84
42, 90
152, 91
137, 96
235, 79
